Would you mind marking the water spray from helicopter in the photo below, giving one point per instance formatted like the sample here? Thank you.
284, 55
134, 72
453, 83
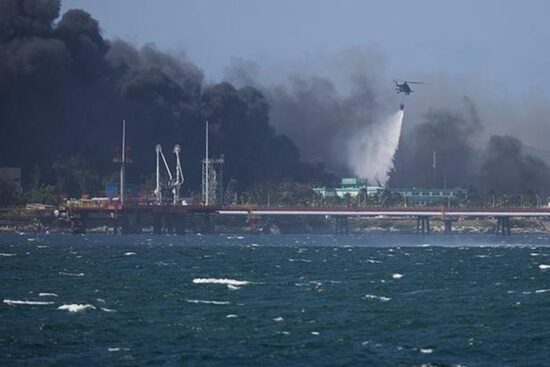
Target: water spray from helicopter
372, 151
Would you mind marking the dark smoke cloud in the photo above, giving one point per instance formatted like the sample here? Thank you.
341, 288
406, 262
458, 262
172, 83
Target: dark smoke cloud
64, 90
450, 135
508, 169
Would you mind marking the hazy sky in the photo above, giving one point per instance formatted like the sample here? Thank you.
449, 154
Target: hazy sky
506, 41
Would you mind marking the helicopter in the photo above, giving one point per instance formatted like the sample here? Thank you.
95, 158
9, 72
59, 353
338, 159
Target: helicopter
404, 87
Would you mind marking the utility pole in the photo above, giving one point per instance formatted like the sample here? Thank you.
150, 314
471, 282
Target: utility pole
123, 162
434, 167
207, 164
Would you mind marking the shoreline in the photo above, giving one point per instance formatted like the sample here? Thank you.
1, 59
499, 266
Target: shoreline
358, 226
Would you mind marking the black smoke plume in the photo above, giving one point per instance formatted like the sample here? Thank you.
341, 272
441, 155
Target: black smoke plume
64, 90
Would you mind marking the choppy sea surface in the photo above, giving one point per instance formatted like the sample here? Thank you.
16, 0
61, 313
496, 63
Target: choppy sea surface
282, 300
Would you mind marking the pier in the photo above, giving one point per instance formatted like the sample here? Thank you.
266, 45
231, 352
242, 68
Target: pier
174, 219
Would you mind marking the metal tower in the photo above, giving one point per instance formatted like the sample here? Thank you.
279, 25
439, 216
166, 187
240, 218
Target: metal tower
212, 176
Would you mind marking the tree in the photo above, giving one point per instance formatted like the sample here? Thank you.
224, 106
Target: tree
74, 176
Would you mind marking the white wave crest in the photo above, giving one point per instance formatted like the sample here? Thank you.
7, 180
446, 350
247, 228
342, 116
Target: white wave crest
6, 254
105, 309
208, 302
426, 350
75, 307
130, 254
397, 276
299, 260
380, 298
71, 274
542, 290
47, 295
30, 303
225, 281
544, 267
278, 319
117, 349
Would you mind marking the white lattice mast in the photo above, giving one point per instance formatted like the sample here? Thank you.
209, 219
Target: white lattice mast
206, 170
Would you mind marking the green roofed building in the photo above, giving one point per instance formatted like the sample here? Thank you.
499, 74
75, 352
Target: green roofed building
430, 197
411, 196
351, 186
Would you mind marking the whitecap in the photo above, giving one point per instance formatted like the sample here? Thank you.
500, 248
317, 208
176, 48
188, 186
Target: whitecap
544, 267
30, 303
71, 274
105, 309
220, 281
397, 276
47, 295
208, 302
371, 261
380, 298
278, 319
100, 300
75, 307
231, 316
426, 350
542, 290
129, 254
314, 333
117, 349
6, 254
232, 287
300, 260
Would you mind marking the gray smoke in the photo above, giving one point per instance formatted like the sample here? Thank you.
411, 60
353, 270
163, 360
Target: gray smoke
457, 118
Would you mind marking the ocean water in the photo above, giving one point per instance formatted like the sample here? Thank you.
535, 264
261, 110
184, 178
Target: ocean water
283, 300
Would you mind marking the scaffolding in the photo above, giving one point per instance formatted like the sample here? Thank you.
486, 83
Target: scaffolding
212, 181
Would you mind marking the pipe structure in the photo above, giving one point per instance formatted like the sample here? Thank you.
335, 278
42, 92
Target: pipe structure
179, 175
158, 189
